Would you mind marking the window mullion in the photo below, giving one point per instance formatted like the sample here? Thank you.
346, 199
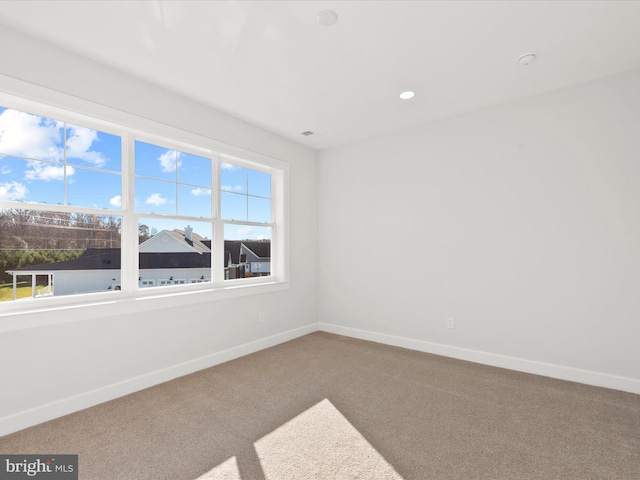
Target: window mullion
217, 243
64, 165
129, 251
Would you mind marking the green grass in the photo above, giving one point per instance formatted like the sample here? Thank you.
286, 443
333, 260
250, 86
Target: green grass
23, 290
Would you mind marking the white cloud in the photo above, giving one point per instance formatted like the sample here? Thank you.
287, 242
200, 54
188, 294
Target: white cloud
12, 191
116, 201
228, 166
47, 171
30, 136
156, 199
79, 141
26, 135
168, 161
246, 231
198, 192
230, 188
5, 170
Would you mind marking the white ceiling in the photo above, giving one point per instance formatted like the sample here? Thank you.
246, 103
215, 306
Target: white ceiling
272, 64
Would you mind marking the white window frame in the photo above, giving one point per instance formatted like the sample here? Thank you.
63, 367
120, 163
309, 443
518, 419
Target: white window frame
39, 101
274, 214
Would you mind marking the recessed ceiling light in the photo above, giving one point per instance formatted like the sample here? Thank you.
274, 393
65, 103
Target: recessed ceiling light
326, 18
527, 59
407, 95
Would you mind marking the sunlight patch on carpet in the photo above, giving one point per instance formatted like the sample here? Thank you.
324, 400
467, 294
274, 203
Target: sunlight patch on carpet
227, 470
321, 443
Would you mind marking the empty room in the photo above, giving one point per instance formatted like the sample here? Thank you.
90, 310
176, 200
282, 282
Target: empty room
323, 240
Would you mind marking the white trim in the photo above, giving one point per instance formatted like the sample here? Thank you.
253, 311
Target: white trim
33, 416
146, 300
24, 94
560, 372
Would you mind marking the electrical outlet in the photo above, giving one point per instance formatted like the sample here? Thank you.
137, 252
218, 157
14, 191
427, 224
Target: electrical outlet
451, 322
261, 317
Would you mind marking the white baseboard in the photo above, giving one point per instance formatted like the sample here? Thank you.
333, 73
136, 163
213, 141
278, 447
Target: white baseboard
587, 377
27, 418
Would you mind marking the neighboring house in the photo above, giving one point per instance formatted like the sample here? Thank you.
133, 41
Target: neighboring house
170, 241
173, 257
257, 256
168, 258
247, 258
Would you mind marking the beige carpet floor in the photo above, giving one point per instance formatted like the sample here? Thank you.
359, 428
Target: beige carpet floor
330, 407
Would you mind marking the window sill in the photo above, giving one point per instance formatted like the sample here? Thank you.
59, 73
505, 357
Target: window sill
23, 316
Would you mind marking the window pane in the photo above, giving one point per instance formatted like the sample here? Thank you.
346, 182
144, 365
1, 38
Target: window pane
245, 194
172, 253
30, 136
190, 196
90, 147
89, 188
194, 201
31, 181
63, 253
194, 170
234, 206
155, 197
34, 138
156, 162
259, 209
259, 183
247, 251
233, 178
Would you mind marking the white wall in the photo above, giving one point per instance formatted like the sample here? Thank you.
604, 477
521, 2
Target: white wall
521, 221
87, 355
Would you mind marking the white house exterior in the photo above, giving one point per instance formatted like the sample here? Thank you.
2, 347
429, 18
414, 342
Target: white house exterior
168, 243
257, 257
171, 257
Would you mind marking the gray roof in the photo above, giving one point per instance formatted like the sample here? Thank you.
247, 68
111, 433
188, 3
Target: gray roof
197, 242
260, 248
110, 258
91, 259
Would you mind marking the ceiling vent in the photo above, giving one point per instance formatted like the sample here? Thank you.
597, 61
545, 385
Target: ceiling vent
307, 133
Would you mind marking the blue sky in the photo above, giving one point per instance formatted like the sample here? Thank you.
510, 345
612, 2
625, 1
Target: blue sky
246, 194
172, 182
32, 169
239, 197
